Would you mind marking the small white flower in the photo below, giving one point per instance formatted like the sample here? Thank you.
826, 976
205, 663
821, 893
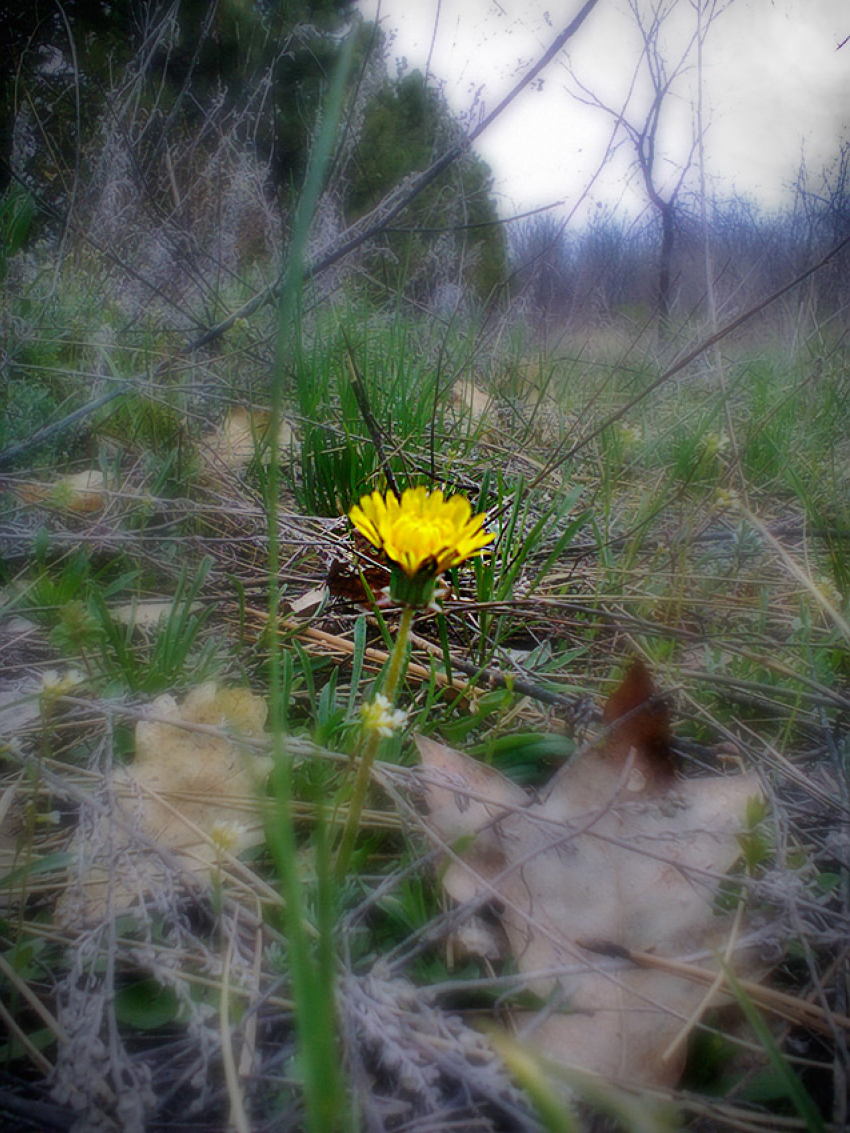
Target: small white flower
52, 684
380, 716
715, 443
629, 434
226, 835
726, 498
827, 589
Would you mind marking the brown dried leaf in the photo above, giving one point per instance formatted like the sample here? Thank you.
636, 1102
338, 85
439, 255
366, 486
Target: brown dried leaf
81, 492
186, 791
615, 851
147, 613
308, 603
233, 444
345, 582
468, 399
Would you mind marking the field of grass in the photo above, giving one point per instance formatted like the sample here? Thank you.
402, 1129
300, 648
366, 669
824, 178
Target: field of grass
189, 948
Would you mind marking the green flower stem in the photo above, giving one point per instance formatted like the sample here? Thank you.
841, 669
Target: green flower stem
373, 741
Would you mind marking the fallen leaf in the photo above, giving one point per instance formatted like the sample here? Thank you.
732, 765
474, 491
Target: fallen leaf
81, 492
468, 399
310, 602
146, 613
234, 443
193, 793
616, 855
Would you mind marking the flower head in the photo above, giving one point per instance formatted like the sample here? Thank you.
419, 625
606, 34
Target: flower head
226, 836
380, 716
55, 685
726, 498
423, 531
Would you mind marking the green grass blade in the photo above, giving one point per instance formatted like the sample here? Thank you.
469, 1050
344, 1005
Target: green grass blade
795, 1091
312, 971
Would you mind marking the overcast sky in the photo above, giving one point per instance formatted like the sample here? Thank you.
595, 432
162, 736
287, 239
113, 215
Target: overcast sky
775, 86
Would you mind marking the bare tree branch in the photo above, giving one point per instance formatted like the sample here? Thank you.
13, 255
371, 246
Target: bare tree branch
643, 130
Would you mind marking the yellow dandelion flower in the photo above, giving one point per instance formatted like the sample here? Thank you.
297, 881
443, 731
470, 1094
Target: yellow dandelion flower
422, 531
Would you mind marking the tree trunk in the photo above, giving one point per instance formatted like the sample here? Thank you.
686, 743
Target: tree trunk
665, 267
7, 128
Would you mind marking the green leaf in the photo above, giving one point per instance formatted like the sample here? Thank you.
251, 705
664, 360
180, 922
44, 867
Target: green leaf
14, 1050
146, 1005
48, 864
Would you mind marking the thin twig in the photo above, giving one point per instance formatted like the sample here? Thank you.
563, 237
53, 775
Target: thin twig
238, 1116
780, 1002
362, 398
